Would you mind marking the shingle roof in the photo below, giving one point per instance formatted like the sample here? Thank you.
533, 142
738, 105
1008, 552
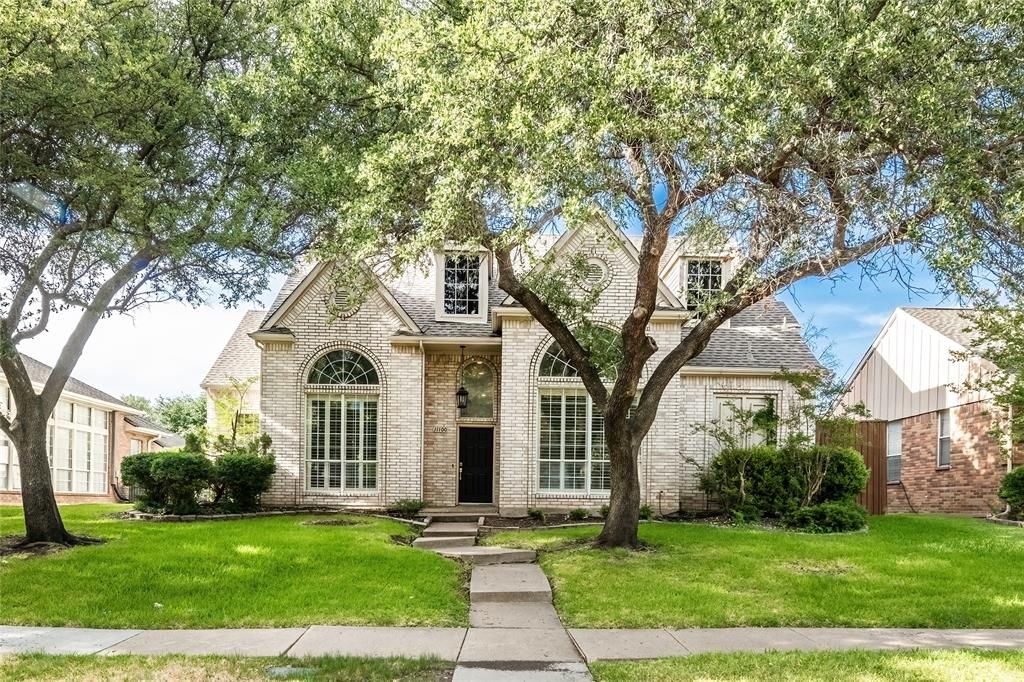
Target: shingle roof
167, 439
39, 372
764, 336
953, 323
240, 358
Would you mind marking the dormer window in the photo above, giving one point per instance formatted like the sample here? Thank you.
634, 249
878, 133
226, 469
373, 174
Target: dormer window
462, 286
702, 280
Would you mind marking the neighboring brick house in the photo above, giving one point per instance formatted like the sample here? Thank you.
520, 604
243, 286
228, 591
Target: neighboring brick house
90, 433
361, 400
915, 376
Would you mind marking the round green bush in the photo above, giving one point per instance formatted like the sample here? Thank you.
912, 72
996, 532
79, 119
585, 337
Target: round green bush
137, 472
181, 475
578, 514
1011, 491
828, 517
240, 478
846, 475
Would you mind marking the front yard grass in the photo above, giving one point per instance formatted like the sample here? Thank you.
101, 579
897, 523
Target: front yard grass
217, 669
271, 571
876, 666
906, 571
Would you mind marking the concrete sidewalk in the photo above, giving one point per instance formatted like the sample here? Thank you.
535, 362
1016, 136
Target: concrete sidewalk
480, 644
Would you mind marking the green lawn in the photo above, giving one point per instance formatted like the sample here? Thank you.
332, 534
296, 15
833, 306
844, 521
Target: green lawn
906, 571
873, 666
272, 571
216, 668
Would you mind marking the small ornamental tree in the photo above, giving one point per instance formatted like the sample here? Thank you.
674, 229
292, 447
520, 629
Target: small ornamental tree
804, 137
149, 151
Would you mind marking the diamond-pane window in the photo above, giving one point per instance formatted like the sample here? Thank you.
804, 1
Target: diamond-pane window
461, 285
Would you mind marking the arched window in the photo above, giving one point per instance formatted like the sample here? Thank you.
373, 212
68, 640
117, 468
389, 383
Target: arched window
344, 367
604, 346
478, 380
342, 428
573, 457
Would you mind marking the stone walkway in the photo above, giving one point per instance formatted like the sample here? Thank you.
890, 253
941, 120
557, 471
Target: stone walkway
514, 633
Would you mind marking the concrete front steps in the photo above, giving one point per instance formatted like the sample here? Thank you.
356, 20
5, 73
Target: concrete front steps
439, 542
451, 529
489, 555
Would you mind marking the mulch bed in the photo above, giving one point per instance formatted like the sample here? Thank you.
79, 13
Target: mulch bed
529, 522
332, 522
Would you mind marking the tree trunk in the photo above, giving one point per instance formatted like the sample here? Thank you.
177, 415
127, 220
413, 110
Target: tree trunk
620, 528
42, 518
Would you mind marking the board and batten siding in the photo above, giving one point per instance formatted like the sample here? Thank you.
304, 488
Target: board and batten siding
911, 369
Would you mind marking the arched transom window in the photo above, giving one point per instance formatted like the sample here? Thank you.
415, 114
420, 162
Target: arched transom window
604, 346
342, 425
478, 380
344, 367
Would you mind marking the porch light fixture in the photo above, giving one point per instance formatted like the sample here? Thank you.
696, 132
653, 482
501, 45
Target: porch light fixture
461, 395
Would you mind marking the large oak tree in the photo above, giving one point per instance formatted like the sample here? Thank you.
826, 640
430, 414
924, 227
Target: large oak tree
149, 151
812, 135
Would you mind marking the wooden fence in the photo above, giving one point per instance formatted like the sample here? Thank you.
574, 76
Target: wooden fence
872, 449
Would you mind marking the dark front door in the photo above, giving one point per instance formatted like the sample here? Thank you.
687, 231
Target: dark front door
476, 464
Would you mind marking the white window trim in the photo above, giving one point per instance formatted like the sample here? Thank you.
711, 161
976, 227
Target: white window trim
587, 491
938, 439
742, 397
362, 393
898, 455
684, 264
439, 258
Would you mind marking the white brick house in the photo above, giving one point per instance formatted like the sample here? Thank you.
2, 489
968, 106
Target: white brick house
362, 407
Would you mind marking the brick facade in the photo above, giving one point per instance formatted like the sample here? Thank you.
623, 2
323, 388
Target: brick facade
419, 423
970, 482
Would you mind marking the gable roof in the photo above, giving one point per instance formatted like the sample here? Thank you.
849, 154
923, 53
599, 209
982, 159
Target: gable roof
953, 323
39, 372
764, 336
303, 276
240, 357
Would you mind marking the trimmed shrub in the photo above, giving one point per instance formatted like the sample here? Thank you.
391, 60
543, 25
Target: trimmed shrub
407, 507
180, 476
578, 514
766, 482
537, 514
137, 472
239, 478
828, 517
604, 511
1011, 491
646, 513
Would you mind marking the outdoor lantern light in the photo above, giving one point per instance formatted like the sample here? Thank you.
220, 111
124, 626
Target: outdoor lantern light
461, 395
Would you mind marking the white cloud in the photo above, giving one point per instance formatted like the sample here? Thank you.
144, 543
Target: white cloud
873, 319
160, 350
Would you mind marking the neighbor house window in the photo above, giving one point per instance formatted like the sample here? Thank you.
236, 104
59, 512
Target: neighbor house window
136, 446
461, 293
342, 426
893, 451
9, 477
573, 453
944, 439
77, 445
703, 279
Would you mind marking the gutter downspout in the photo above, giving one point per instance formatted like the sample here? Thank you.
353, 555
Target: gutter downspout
423, 411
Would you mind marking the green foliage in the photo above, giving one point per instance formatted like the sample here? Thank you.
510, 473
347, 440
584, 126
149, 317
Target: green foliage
407, 508
137, 401
578, 514
181, 414
828, 517
604, 511
646, 513
239, 478
136, 471
767, 482
1011, 491
181, 476
536, 514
